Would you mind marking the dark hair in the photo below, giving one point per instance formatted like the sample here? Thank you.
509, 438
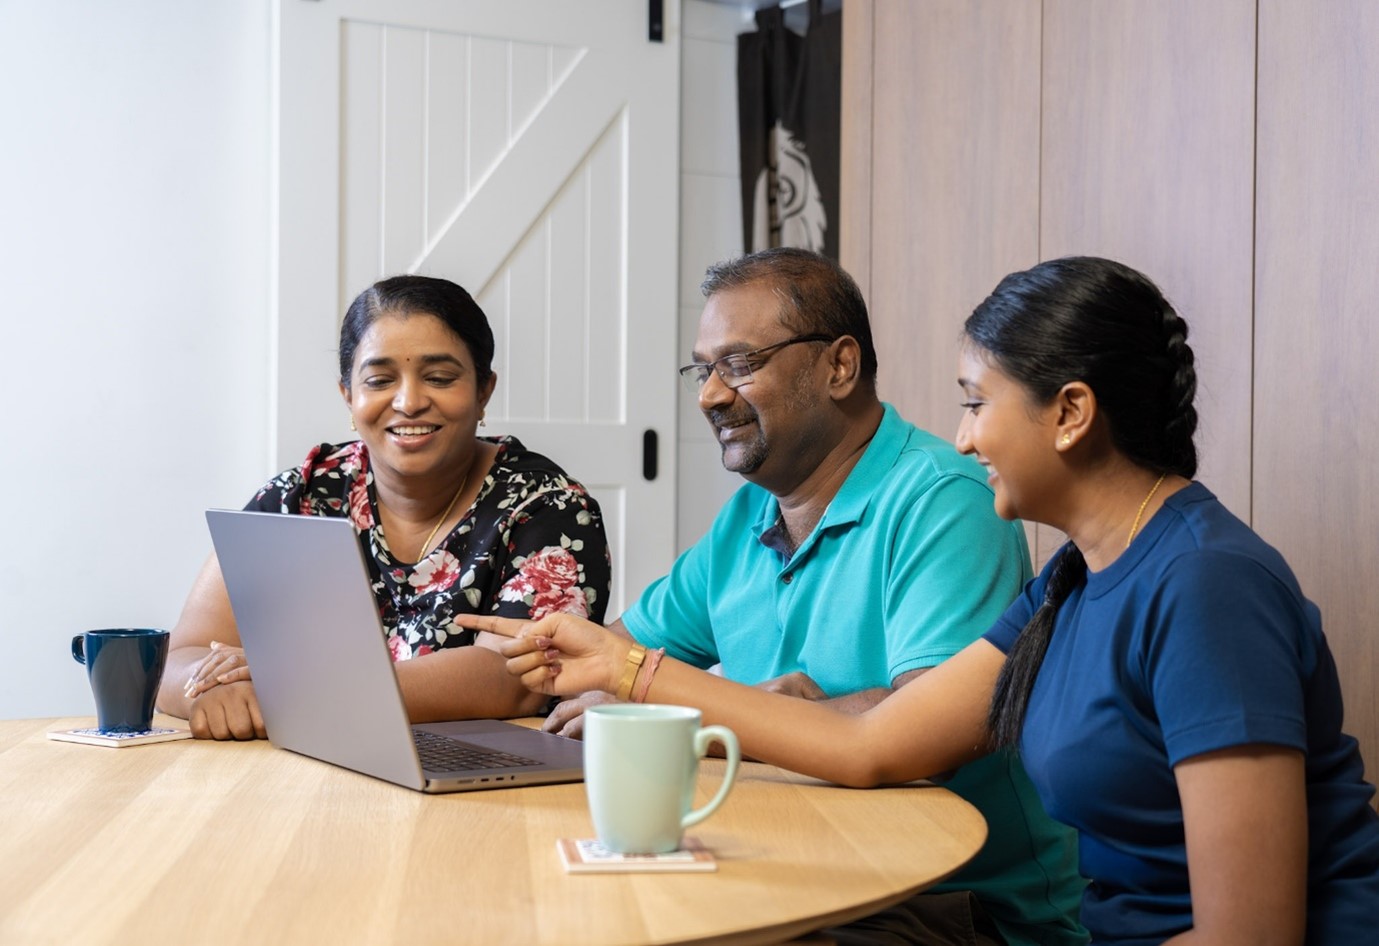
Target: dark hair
418, 295
822, 298
1102, 323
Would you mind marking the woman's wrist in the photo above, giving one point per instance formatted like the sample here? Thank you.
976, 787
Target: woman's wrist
645, 672
627, 676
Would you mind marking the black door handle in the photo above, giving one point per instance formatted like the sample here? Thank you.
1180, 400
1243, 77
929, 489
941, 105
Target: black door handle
649, 455
655, 21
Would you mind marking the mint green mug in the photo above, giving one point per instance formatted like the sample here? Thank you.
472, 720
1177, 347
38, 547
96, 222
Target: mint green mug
641, 763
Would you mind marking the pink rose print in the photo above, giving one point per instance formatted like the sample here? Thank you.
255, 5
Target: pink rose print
436, 573
360, 513
352, 461
548, 581
399, 649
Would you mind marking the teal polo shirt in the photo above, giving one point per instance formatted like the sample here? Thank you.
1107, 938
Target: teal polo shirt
908, 565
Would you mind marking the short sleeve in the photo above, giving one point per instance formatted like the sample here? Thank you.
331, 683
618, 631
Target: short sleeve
327, 482
558, 557
673, 611
1224, 656
955, 567
1015, 618
282, 494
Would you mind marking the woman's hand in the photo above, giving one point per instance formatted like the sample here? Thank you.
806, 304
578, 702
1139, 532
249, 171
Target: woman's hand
228, 712
224, 664
559, 655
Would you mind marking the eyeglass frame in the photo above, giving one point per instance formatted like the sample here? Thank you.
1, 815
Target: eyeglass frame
696, 374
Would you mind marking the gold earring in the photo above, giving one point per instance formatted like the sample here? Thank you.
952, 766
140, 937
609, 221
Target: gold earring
352, 427
481, 421
1067, 439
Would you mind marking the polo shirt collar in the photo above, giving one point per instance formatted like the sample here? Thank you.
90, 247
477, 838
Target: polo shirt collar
853, 497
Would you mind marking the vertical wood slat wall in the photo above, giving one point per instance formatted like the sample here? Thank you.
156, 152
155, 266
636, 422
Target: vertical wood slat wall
1316, 337
1231, 151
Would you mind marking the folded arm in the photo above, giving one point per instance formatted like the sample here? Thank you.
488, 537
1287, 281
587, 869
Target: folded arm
190, 687
464, 683
801, 686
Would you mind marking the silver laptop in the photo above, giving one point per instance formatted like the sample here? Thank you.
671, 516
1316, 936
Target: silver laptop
323, 675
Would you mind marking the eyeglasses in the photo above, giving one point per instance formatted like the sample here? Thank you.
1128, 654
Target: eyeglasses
735, 370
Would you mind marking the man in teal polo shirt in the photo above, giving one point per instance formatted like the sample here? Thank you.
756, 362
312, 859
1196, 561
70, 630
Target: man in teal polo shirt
861, 552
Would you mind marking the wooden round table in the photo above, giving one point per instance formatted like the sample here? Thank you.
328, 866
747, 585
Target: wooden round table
209, 843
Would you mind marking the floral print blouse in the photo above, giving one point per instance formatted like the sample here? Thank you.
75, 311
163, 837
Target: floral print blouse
533, 543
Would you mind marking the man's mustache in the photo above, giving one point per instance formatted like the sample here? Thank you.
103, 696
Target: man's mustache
731, 419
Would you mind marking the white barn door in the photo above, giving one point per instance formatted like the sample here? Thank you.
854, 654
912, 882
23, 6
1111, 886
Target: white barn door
528, 150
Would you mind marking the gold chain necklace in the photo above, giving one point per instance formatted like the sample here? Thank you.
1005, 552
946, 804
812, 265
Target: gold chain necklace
1136, 524
445, 515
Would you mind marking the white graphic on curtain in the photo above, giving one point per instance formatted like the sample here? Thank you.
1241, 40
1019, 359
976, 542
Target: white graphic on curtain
788, 209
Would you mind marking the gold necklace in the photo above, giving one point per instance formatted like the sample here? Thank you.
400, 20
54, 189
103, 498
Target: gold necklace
434, 529
1136, 524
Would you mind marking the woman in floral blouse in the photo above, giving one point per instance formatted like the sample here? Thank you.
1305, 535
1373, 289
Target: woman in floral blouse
450, 522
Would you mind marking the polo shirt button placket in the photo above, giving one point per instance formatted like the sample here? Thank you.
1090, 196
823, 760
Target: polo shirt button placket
788, 577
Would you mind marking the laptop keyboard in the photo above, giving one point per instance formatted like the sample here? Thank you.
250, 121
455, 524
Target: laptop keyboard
444, 754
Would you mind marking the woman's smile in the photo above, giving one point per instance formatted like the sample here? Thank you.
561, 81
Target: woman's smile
415, 398
412, 435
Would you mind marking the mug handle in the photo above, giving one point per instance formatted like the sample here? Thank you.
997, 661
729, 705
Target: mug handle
79, 649
702, 739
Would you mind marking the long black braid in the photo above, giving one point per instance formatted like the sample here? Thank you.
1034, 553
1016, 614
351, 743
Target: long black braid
1100, 322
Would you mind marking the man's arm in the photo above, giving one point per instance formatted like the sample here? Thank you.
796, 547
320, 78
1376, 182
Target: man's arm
800, 685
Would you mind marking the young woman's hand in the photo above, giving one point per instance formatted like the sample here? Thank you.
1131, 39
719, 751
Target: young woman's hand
559, 655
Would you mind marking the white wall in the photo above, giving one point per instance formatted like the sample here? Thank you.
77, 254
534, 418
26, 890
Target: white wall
135, 255
134, 158
710, 230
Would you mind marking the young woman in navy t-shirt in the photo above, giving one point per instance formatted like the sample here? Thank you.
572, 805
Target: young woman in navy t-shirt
1165, 681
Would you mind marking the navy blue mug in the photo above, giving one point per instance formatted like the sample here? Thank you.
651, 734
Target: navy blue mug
125, 665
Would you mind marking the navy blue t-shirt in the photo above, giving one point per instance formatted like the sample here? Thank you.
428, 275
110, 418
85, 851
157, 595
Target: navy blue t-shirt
1197, 638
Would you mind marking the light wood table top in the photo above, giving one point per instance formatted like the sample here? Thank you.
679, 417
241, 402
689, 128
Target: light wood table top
197, 842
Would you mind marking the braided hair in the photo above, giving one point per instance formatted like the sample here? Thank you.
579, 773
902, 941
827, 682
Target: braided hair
1100, 322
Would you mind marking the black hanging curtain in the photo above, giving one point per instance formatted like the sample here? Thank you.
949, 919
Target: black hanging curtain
789, 96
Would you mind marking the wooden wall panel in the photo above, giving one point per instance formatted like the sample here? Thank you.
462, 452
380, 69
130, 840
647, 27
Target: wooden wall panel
855, 152
954, 182
1148, 157
1316, 344
989, 135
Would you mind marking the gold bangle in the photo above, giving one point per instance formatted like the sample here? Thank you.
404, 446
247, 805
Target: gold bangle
635, 656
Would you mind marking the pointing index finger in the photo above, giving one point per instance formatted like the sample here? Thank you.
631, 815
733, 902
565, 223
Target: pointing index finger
504, 627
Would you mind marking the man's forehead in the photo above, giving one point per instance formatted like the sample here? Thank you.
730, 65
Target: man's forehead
739, 318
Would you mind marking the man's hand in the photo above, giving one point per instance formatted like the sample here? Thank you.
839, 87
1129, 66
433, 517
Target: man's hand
567, 719
797, 684
228, 711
